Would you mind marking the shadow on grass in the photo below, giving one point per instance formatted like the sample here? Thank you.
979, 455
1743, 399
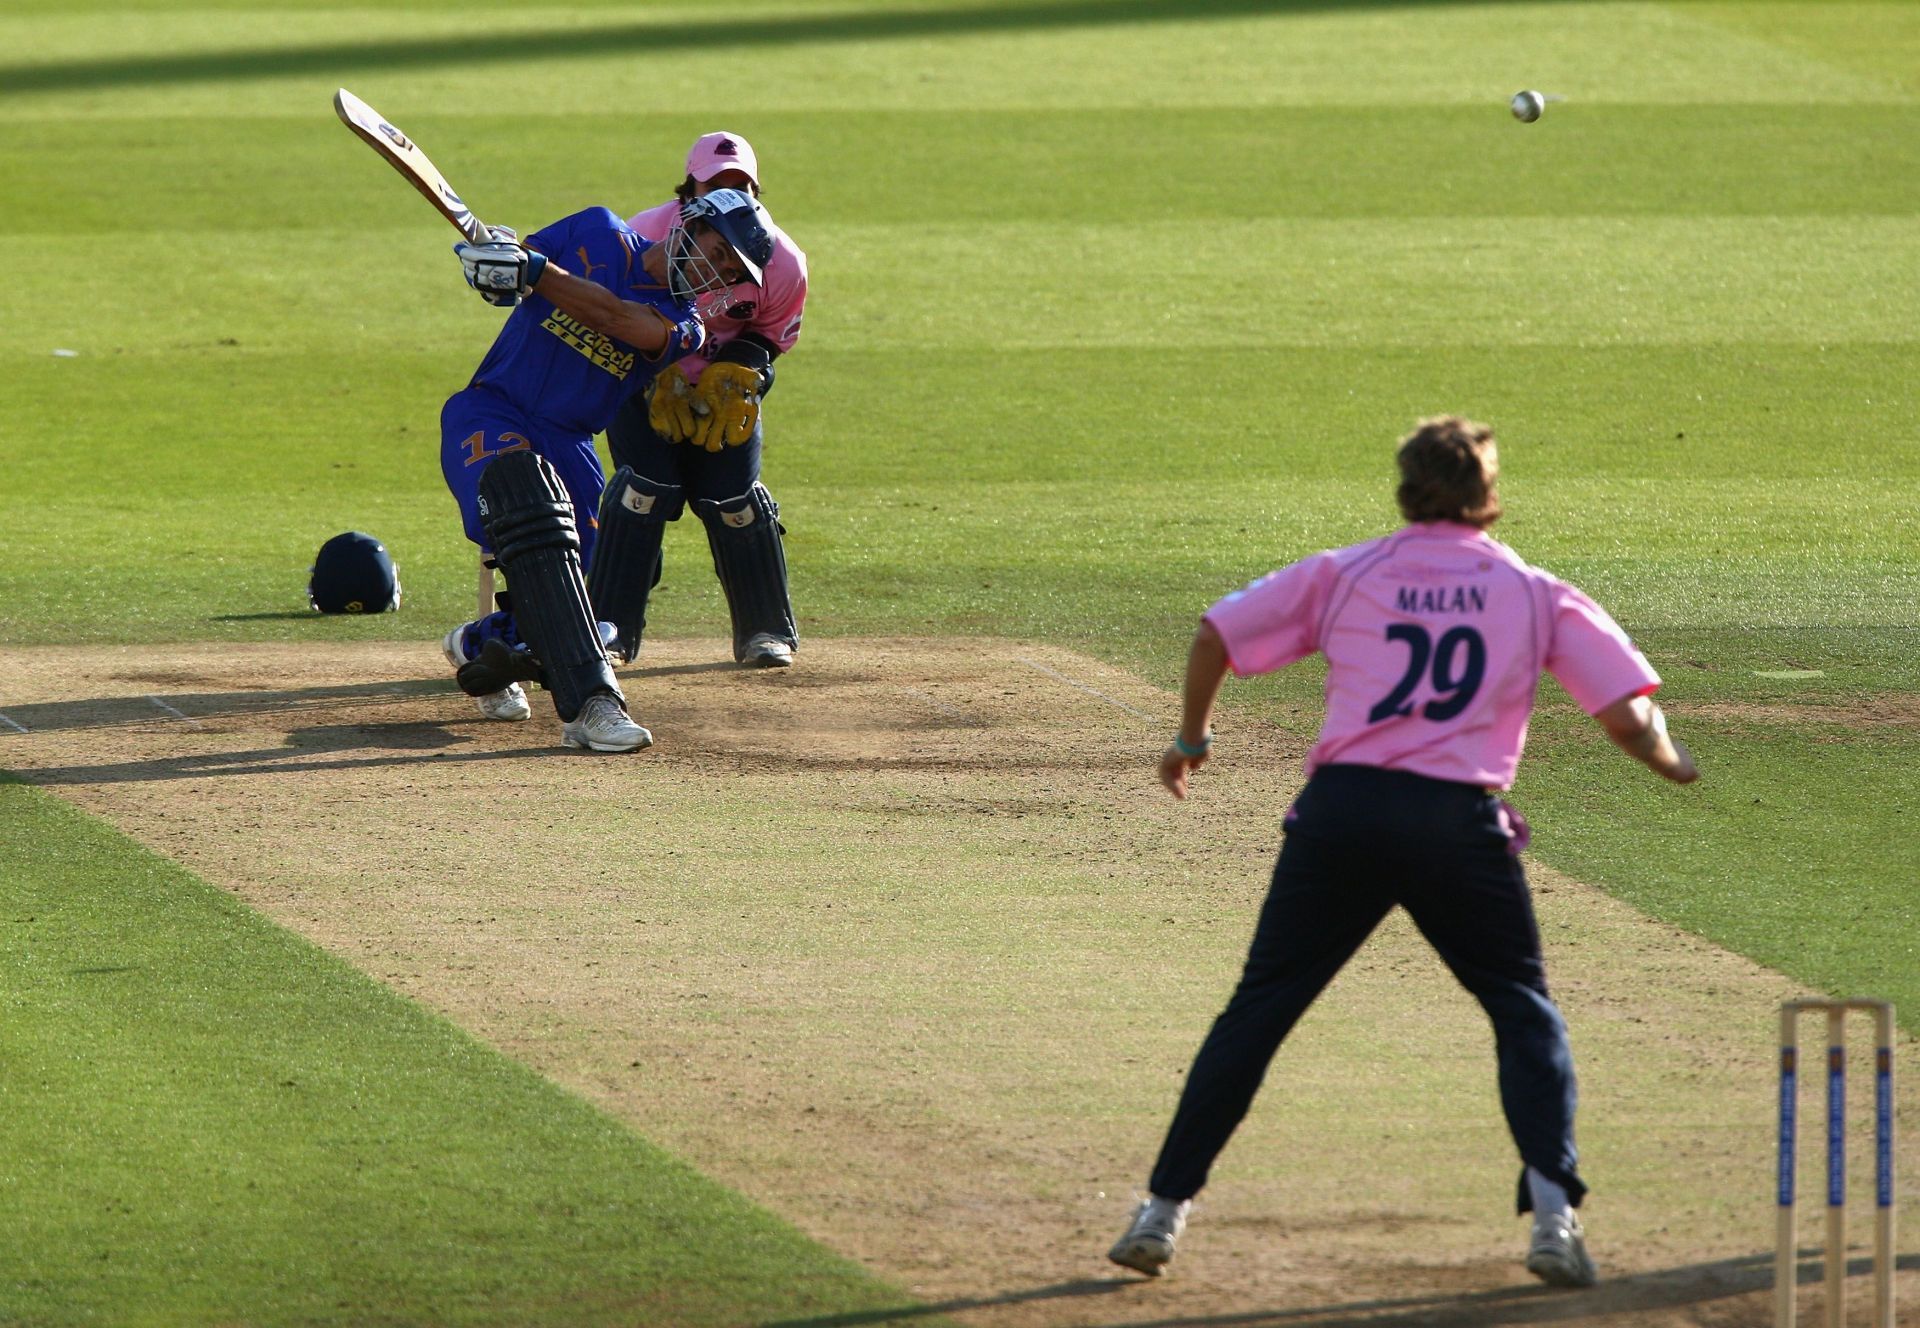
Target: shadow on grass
291, 615
342, 59
1663, 1289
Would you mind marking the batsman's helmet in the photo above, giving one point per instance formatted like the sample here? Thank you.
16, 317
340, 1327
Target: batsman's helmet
353, 573
740, 220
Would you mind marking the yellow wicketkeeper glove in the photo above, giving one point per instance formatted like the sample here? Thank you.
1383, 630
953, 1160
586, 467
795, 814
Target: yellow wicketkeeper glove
670, 405
730, 396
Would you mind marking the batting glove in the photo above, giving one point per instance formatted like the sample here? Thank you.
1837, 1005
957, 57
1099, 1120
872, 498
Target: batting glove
500, 266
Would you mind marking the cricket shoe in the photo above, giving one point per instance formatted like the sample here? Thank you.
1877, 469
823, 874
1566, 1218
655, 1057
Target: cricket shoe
602, 726
764, 650
1558, 1255
507, 703
1147, 1246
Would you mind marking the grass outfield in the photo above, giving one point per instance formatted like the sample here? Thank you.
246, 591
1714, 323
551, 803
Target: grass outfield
211, 1121
1114, 307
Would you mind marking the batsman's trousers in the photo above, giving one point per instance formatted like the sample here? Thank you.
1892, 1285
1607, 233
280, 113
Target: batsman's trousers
1360, 840
477, 424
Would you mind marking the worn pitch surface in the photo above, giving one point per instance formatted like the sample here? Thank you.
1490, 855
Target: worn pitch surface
907, 945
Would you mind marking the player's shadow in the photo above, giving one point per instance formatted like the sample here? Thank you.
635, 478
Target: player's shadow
279, 615
191, 708
338, 60
325, 745
1631, 1293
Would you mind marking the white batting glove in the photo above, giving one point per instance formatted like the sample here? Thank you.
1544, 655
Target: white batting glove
500, 267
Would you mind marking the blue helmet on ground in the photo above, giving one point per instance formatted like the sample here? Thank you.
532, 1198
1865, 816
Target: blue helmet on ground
740, 220
353, 573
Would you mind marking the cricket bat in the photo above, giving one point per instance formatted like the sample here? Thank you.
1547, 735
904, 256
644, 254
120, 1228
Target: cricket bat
405, 156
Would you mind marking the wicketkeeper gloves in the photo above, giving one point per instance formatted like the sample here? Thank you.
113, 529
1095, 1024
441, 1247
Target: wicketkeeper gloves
730, 395
670, 405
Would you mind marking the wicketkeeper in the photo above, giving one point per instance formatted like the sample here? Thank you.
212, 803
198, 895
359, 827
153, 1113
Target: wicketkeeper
1435, 638
598, 311
695, 438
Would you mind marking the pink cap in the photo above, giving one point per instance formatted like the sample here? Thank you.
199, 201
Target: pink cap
714, 153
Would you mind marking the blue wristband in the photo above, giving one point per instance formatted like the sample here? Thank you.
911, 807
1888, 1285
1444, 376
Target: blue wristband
536, 264
1181, 745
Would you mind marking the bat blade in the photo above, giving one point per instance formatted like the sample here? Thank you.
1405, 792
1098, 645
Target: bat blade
405, 156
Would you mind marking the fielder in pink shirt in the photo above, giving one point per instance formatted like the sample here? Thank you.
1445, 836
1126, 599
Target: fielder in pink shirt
695, 440
1435, 638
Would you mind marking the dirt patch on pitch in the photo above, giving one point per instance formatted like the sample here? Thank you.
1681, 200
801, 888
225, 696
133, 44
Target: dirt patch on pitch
906, 945
1879, 712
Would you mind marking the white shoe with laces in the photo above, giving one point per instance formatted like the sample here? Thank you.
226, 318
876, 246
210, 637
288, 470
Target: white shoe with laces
509, 703
1558, 1255
764, 650
602, 726
1147, 1246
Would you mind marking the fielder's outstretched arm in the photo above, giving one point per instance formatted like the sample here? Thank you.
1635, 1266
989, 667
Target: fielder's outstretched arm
1206, 670
1639, 729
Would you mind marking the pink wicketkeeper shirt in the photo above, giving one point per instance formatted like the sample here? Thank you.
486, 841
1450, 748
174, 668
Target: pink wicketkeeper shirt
773, 310
1435, 638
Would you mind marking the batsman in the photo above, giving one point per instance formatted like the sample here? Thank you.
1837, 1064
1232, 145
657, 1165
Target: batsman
597, 313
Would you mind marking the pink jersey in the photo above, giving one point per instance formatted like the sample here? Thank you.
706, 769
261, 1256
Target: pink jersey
1435, 638
772, 310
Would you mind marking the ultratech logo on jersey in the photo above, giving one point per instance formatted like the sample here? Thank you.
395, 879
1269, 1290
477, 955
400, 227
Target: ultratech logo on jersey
596, 346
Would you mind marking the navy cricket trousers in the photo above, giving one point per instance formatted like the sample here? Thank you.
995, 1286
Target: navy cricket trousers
1358, 841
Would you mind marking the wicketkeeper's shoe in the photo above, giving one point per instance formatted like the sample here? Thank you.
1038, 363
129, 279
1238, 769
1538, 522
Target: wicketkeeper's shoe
1147, 1246
602, 725
1558, 1255
764, 650
610, 642
508, 703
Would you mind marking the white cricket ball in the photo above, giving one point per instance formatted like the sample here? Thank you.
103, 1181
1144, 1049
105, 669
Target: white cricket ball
1526, 106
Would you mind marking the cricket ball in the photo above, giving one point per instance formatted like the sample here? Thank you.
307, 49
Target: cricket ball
1526, 106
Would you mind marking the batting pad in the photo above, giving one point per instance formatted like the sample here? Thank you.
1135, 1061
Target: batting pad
529, 520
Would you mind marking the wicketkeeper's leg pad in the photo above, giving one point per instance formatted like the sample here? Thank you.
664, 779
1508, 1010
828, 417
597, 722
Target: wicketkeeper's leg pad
530, 524
744, 534
634, 512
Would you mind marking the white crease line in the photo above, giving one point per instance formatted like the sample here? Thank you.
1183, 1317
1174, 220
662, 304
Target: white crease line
1080, 686
177, 714
17, 728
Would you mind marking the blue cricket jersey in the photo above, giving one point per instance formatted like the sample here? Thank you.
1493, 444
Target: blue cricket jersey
557, 369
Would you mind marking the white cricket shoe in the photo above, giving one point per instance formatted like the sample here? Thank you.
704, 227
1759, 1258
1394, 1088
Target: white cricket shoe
766, 651
602, 726
1147, 1246
509, 703
1558, 1255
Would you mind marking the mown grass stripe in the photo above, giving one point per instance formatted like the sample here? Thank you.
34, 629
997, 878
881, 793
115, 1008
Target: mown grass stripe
208, 1119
